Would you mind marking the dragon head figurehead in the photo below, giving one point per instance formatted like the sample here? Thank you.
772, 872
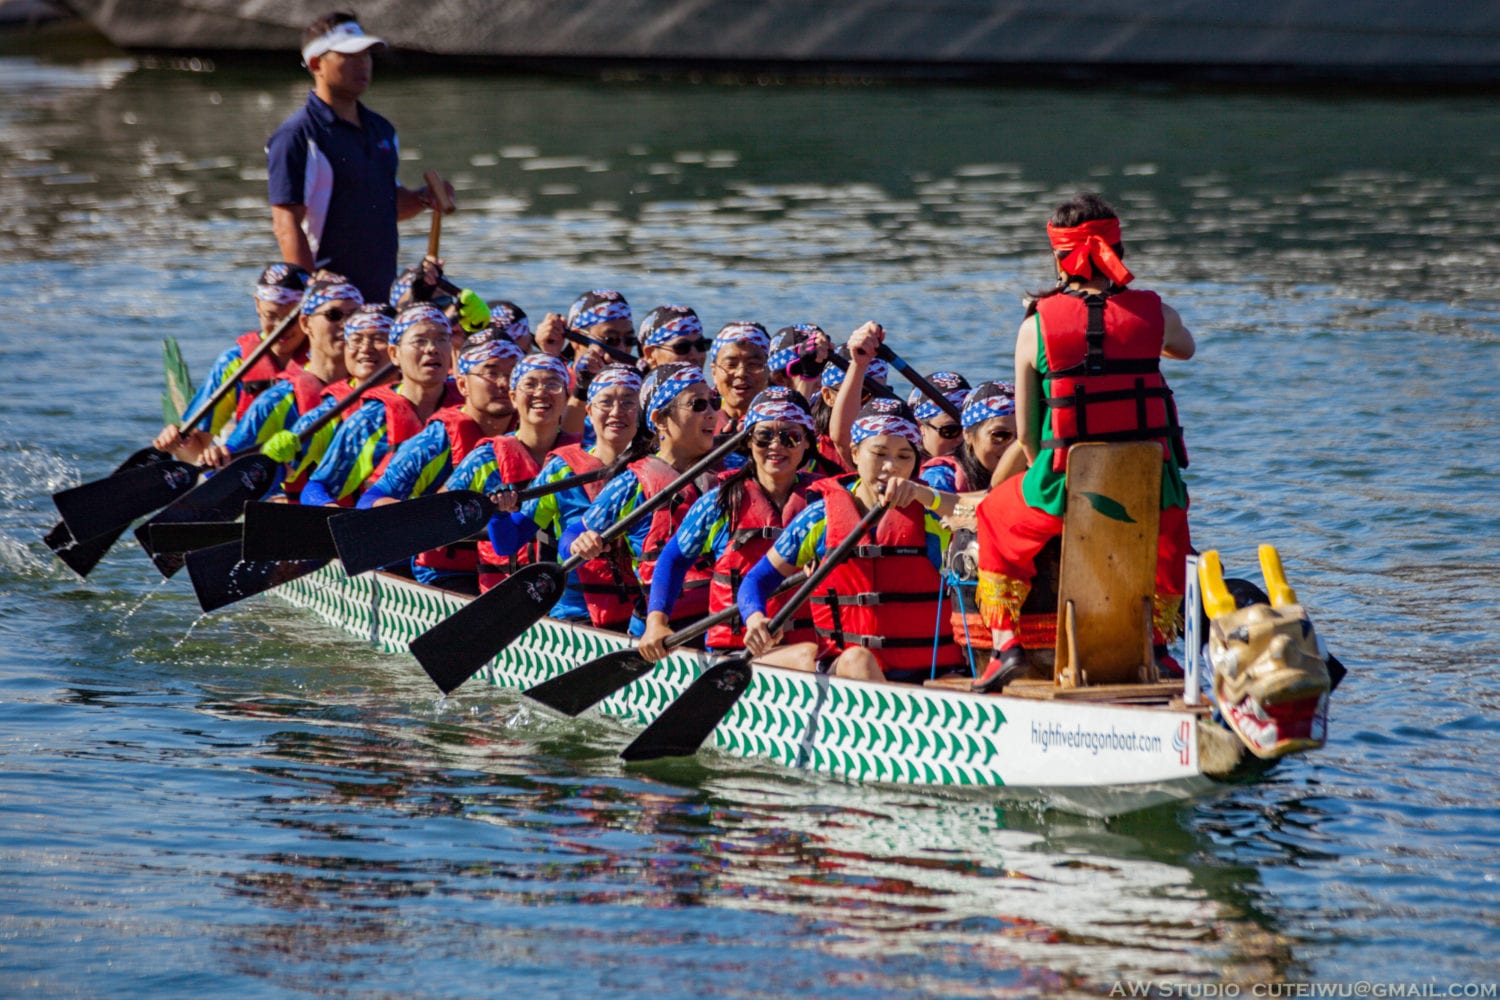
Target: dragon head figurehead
1270, 681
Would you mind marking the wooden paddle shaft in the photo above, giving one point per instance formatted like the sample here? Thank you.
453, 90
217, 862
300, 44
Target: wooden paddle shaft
266, 343
441, 205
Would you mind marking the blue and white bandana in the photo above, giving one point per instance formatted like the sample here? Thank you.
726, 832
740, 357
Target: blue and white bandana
507, 319
486, 347
664, 384
779, 403
541, 363
873, 423
790, 344
740, 332
402, 286
953, 386
320, 293
369, 319
281, 283
598, 306
665, 324
989, 400
613, 375
833, 375
422, 312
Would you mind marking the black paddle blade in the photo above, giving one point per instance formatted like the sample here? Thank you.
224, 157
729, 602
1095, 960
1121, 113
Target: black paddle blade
221, 578
275, 531
584, 687
82, 556
683, 725
457, 647
189, 536
110, 504
222, 496
378, 536
166, 563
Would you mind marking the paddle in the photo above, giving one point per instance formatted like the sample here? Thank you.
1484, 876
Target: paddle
378, 536
82, 557
111, 503
583, 687
456, 648
683, 725
220, 577
915, 378
287, 531
620, 355
441, 205
187, 536
222, 496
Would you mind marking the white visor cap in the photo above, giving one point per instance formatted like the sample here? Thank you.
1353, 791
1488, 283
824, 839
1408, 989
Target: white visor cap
347, 38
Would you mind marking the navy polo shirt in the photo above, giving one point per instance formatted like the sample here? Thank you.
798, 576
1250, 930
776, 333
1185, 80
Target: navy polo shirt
345, 176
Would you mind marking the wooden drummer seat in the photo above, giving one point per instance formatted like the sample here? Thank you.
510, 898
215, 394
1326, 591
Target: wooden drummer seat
1108, 571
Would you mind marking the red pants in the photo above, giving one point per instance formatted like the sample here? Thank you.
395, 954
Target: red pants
1011, 533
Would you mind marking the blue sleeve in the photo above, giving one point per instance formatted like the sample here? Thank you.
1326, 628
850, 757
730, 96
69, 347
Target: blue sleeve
286, 166
307, 419
940, 477
216, 376
569, 536
508, 532
246, 433
697, 527
344, 451
403, 472
666, 584
757, 587
315, 495
609, 505
368, 497
802, 541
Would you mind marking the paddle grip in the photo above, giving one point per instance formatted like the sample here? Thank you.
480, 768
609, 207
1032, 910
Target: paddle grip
664, 497
915, 378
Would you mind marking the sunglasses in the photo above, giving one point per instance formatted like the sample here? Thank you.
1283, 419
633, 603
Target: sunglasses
683, 348
703, 403
335, 315
764, 438
948, 432
617, 341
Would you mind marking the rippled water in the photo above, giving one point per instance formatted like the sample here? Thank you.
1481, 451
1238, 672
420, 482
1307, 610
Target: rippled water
250, 803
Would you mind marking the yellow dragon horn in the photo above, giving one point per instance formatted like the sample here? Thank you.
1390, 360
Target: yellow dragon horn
1281, 592
1216, 599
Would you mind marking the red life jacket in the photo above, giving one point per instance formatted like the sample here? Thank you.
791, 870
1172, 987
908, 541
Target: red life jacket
830, 462
514, 465
401, 422
607, 582
259, 376
1104, 380
310, 393
885, 595
960, 480
655, 475
463, 435
757, 526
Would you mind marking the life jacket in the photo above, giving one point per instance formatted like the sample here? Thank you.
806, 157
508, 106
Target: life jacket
608, 581
830, 463
960, 480
757, 526
885, 595
259, 376
1104, 380
401, 422
310, 394
463, 434
515, 466
655, 475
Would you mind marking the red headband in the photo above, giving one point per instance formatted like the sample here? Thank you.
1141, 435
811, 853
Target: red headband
1089, 244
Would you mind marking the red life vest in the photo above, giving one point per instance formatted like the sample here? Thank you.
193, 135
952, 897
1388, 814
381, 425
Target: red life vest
267, 368
1104, 380
885, 595
655, 475
401, 422
960, 479
607, 582
757, 526
515, 466
463, 435
829, 460
310, 393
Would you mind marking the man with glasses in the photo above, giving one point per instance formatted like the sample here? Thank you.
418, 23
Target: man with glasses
738, 362
335, 199
671, 334
278, 291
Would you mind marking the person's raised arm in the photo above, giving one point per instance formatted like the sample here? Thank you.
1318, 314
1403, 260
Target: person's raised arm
863, 343
1177, 343
1028, 387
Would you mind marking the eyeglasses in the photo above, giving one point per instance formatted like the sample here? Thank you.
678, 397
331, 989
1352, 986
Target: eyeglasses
741, 367
682, 348
335, 315
540, 385
947, 432
764, 438
424, 344
618, 341
366, 340
703, 403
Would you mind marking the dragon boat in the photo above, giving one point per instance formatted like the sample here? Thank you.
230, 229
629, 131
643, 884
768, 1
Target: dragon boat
1099, 749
